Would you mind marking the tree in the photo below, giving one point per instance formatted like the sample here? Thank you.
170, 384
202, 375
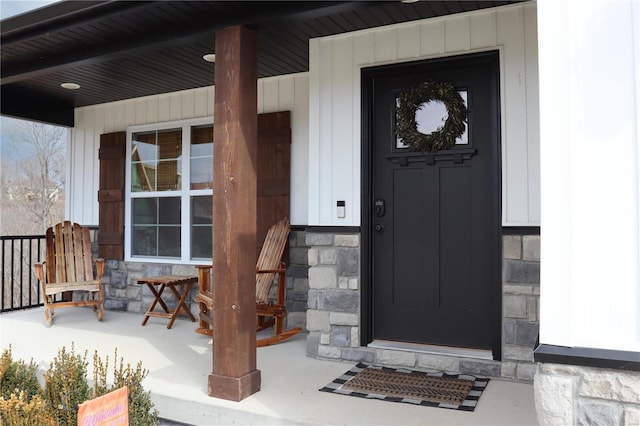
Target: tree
33, 179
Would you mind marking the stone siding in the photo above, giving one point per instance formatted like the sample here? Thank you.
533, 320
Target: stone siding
572, 395
333, 317
333, 314
297, 279
122, 293
520, 305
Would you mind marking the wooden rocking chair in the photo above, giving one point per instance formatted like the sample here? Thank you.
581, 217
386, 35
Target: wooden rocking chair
268, 266
69, 268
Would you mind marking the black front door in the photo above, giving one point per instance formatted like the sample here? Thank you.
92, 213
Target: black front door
433, 223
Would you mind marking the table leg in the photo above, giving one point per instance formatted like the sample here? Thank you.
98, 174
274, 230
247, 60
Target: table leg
157, 299
181, 299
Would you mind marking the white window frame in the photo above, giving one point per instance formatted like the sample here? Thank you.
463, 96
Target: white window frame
185, 193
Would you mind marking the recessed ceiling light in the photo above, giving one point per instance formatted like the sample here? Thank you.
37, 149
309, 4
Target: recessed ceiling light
70, 86
409, 1
209, 57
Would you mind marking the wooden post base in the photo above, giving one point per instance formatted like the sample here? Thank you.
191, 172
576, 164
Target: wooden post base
234, 388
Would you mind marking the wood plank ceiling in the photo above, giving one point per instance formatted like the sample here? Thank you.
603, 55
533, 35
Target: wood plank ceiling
124, 49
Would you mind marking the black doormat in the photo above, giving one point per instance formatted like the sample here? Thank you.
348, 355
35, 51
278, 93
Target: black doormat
456, 392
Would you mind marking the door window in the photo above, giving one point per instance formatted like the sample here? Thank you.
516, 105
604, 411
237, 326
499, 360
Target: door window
430, 117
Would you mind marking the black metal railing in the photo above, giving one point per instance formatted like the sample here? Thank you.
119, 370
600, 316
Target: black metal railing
20, 287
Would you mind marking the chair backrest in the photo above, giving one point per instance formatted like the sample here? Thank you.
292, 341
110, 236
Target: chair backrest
69, 256
270, 257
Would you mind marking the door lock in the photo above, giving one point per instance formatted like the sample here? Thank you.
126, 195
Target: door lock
379, 227
379, 207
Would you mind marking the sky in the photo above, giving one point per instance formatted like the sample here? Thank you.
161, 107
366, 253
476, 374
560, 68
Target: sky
15, 7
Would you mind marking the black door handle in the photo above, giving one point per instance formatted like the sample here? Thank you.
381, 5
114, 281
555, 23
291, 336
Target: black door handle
379, 208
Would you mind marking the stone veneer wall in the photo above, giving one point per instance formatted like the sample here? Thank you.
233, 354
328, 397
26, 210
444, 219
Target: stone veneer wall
520, 305
333, 317
572, 395
297, 279
122, 293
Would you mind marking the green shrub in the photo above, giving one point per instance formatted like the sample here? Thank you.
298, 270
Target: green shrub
20, 410
141, 408
20, 402
65, 387
17, 376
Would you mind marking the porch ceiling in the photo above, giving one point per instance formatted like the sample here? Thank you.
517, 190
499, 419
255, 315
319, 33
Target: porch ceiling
119, 50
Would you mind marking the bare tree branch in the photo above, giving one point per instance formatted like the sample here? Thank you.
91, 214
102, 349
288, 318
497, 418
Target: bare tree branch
33, 181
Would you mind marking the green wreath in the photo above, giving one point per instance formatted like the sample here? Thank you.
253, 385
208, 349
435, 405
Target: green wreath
410, 100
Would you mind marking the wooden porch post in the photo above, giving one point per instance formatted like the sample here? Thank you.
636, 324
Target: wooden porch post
234, 375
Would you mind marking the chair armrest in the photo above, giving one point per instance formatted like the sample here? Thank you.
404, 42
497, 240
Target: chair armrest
99, 267
206, 298
39, 270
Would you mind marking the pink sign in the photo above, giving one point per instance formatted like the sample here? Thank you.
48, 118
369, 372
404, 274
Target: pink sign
111, 409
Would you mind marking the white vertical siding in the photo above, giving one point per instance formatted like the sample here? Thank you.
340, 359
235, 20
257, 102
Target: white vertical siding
286, 93
590, 151
91, 160
533, 113
335, 65
384, 42
515, 196
456, 34
300, 151
480, 31
188, 105
83, 156
325, 134
314, 134
343, 159
406, 46
432, 40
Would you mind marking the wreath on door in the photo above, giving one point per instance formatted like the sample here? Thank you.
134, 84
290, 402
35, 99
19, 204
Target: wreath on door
409, 102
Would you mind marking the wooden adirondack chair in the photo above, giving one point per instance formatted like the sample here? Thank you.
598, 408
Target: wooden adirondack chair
69, 267
268, 266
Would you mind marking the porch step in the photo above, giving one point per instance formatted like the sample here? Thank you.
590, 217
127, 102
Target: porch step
432, 349
179, 412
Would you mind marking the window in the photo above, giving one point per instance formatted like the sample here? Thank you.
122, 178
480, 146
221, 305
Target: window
169, 199
431, 116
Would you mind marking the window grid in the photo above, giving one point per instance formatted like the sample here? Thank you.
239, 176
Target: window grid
174, 221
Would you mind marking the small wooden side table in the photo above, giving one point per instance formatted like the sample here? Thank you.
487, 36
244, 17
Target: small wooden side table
185, 282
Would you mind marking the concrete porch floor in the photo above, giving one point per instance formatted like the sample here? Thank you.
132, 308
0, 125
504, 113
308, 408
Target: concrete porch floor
179, 361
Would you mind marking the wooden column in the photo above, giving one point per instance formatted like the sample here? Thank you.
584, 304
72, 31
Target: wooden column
234, 375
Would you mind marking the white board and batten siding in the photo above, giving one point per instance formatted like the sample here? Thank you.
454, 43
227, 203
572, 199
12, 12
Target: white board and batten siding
285, 93
325, 107
335, 92
590, 147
